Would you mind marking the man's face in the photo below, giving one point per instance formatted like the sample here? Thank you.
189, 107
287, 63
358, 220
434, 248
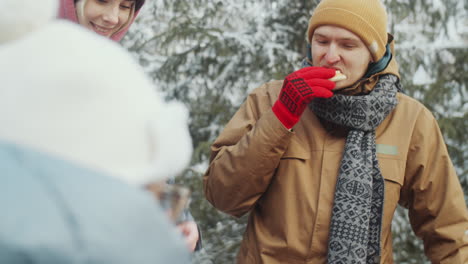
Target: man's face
337, 48
105, 17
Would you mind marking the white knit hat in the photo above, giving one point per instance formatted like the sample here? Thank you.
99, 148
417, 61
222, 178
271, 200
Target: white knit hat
89, 103
23, 16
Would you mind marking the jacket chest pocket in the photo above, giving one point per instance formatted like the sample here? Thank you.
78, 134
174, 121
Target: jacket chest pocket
392, 170
296, 150
292, 170
294, 161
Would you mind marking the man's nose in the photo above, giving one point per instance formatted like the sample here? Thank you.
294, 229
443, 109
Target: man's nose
333, 55
111, 15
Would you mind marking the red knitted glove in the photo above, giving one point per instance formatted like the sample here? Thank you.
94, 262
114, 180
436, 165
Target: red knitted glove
299, 88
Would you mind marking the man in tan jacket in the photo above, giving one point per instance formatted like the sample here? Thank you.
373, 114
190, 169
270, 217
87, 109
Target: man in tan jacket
321, 160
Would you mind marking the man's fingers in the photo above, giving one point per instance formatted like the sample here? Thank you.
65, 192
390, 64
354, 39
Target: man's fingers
320, 92
316, 73
327, 84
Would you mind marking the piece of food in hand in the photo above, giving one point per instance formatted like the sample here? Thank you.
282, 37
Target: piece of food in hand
338, 77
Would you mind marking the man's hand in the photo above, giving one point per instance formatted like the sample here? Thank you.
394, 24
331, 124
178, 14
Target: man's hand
190, 232
299, 89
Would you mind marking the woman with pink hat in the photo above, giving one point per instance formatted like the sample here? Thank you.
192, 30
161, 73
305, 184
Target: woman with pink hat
110, 18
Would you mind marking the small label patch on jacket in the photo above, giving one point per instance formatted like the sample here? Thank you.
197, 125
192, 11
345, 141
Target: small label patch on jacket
387, 149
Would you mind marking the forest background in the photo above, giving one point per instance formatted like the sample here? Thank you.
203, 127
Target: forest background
209, 54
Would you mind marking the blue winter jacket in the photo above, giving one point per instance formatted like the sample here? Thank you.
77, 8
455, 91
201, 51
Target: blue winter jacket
56, 212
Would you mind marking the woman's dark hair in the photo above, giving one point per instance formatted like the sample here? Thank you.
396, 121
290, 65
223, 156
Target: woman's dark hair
138, 4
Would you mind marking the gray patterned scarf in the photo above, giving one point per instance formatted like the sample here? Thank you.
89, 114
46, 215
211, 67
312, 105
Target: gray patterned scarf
359, 196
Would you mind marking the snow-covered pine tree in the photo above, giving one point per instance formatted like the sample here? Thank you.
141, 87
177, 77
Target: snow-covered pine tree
432, 47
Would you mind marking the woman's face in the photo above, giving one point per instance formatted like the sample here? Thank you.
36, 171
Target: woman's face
104, 17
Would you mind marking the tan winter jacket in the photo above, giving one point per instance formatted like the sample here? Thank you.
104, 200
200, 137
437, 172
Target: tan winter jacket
286, 181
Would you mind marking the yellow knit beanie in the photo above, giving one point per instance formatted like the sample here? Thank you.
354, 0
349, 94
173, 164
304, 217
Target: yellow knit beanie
365, 18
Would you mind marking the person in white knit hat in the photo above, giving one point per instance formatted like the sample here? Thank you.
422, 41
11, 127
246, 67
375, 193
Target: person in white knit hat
112, 19
83, 130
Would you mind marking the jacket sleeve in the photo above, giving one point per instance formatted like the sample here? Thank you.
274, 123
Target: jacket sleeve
433, 195
245, 155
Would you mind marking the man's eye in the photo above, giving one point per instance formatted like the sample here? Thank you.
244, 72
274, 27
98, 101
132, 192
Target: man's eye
349, 46
125, 7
